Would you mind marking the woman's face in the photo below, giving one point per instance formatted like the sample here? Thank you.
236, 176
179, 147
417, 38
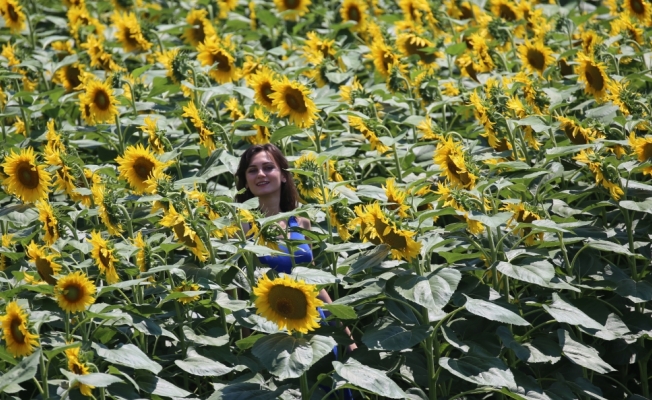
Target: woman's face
264, 177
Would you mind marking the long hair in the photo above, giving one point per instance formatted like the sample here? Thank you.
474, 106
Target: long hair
289, 194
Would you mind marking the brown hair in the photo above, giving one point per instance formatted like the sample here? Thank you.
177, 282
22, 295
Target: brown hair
289, 194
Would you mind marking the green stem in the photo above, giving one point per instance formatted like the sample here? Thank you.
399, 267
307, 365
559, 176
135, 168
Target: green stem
44, 376
121, 139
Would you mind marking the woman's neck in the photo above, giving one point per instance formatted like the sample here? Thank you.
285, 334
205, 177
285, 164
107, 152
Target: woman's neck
269, 205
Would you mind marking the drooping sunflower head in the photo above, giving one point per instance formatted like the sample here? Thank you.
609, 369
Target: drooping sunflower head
13, 15
74, 292
288, 303
176, 62
356, 11
155, 136
353, 91
506, 10
577, 133
184, 232
292, 99
49, 220
103, 255
78, 367
144, 256
137, 166
449, 155
382, 56
105, 200
411, 44
402, 244
536, 57
594, 75
341, 216
642, 146
19, 340
25, 178
45, 265
6, 242
199, 28
307, 184
187, 287
294, 9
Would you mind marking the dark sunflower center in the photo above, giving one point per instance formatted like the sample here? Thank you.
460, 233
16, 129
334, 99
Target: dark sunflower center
105, 259
222, 62
536, 59
294, 99
266, 90
27, 175
647, 151
17, 334
77, 369
291, 4
13, 15
130, 38
290, 303
102, 100
72, 76
564, 68
44, 268
503, 145
387, 58
637, 6
466, 12
594, 77
143, 168
507, 13
395, 240
354, 14
574, 134
50, 225
180, 231
72, 293
198, 33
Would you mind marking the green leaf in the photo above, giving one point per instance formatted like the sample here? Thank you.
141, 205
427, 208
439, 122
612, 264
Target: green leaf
286, 356
390, 336
637, 292
481, 371
340, 311
367, 378
583, 355
643, 206
535, 123
456, 49
539, 272
128, 356
493, 312
205, 340
96, 379
139, 71
313, 276
25, 370
564, 150
284, 132
196, 364
564, 312
490, 221
370, 259
605, 245
58, 350
249, 341
159, 386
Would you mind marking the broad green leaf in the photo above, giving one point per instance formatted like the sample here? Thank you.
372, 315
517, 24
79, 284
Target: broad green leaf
367, 378
643, 206
605, 245
415, 288
391, 336
284, 132
637, 292
371, 259
564, 312
286, 356
247, 391
159, 386
25, 370
539, 272
581, 354
205, 340
129, 356
443, 283
481, 371
535, 123
58, 350
248, 342
456, 49
199, 365
340, 311
493, 312
313, 276
96, 379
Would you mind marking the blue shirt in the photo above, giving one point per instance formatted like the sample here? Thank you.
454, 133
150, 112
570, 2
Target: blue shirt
302, 252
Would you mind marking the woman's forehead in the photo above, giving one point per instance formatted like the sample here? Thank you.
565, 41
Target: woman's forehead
262, 157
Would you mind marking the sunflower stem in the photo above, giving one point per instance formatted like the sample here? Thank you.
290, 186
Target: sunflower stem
44, 376
133, 100
317, 140
66, 322
125, 214
121, 144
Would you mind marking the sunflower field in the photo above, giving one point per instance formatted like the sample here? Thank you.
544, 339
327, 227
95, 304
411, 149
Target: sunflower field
477, 174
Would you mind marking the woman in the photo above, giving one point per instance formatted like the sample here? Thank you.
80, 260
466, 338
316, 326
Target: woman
263, 173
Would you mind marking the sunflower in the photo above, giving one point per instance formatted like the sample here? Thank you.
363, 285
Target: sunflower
593, 74
639, 9
184, 233
627, 28
25, 178
5, 241
317, 48
535, 56
50, 223
211, 52
79, 17
74, 292
129, 33
99, 57
590, 39
350, 92
429, 133
376, 144
401, 242
307, 185
106, 209
20, 342
642, 146
226, 6
144, 255
463, 202
248, 217
450, 89
9, 53
341, 216
205, 134
100, 102
524, 213
187, 287
19, 127
506, 10
200, 27
372, 222
3, 99
414, 10
382, 56
575, 132
45, 264
137, 165
396, 198
450, 158
288, 303
253, 19
13, 14
605, 174
292, 99
76, 366
154, 135
233, 107
103, 255
262, 82
70, 76
263, 134
356, 11
411, 44
293, 8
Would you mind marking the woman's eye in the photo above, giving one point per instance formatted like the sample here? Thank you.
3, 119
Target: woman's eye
268, 168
